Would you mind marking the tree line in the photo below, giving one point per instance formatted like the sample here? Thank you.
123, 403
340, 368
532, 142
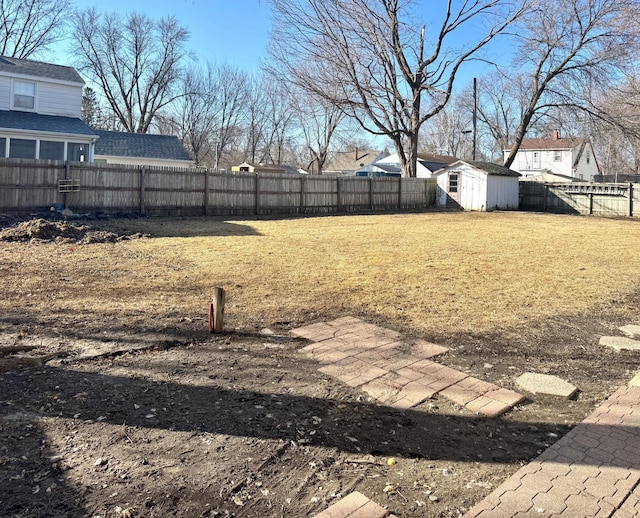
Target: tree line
340, 73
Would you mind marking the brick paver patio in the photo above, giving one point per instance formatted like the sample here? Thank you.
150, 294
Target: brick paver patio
395, 371
594, 470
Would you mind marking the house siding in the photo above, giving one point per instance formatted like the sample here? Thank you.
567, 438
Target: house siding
526, 164
587, 167
58, 99
5, 93
51, 98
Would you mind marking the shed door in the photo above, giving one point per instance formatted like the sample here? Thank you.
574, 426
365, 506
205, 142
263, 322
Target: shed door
453, 189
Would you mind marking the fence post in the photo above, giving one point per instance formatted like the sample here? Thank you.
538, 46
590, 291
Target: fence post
370, 193
206, 192
257, 194
142, 193
630, 200
303, 181
339, 192
546, 196
590, 203
399, 192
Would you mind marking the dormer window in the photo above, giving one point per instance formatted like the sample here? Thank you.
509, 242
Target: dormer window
24, 95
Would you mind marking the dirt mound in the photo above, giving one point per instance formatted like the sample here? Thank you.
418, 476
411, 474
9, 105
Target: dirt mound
43, 230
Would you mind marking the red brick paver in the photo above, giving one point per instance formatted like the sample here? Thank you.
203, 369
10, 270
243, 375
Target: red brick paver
594, 470
396, 371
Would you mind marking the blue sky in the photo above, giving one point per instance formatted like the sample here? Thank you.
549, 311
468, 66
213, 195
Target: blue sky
235, 31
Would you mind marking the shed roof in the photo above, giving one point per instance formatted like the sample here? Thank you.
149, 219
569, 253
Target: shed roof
488, 168
44, 123
140, 145
28, 67
435, 162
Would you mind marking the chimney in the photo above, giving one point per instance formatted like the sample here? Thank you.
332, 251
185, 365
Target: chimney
556, 136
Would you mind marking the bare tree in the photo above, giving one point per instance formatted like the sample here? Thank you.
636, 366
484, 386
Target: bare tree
279, 117
449, 132
255, 120
28, 27
366, 57
318, 121
567, 46
231, 92
134, 61
207, 114
618, 137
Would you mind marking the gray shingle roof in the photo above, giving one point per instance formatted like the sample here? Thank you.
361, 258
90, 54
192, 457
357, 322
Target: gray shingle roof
489, 168
39, 69
138, 145
47, 123
493, 169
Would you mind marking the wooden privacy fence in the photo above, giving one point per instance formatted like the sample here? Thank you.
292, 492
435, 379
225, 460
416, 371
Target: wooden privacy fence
603, 199
32, 185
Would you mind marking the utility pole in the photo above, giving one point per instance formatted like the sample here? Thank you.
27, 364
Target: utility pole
475, 117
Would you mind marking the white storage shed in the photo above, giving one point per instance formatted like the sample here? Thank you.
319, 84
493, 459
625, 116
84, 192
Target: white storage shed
479, 186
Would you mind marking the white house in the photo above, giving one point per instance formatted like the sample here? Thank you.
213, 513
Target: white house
479, 186
572, 157
40, 110
116, 147
426, 165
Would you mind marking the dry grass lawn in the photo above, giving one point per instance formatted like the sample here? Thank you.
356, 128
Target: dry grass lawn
431, 274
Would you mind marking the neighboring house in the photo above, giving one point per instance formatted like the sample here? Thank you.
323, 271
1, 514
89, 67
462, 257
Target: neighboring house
426, 165
115, 147
250, 167
379, 169
572, 157
346, 163
479, 186
40, 110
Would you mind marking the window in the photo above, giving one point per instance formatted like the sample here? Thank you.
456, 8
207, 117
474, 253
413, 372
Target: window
22, 148
557, 156
50, 150
77, 152
453, 182
3, 147
24, 95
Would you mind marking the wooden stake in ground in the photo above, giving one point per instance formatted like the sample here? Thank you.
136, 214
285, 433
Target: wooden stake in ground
216, 311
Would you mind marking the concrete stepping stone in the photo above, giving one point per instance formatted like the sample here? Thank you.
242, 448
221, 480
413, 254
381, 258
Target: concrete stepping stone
620, 343
546, 385
631, 330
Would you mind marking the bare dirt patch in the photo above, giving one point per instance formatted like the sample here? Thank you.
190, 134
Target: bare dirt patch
149, 415
43, 230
